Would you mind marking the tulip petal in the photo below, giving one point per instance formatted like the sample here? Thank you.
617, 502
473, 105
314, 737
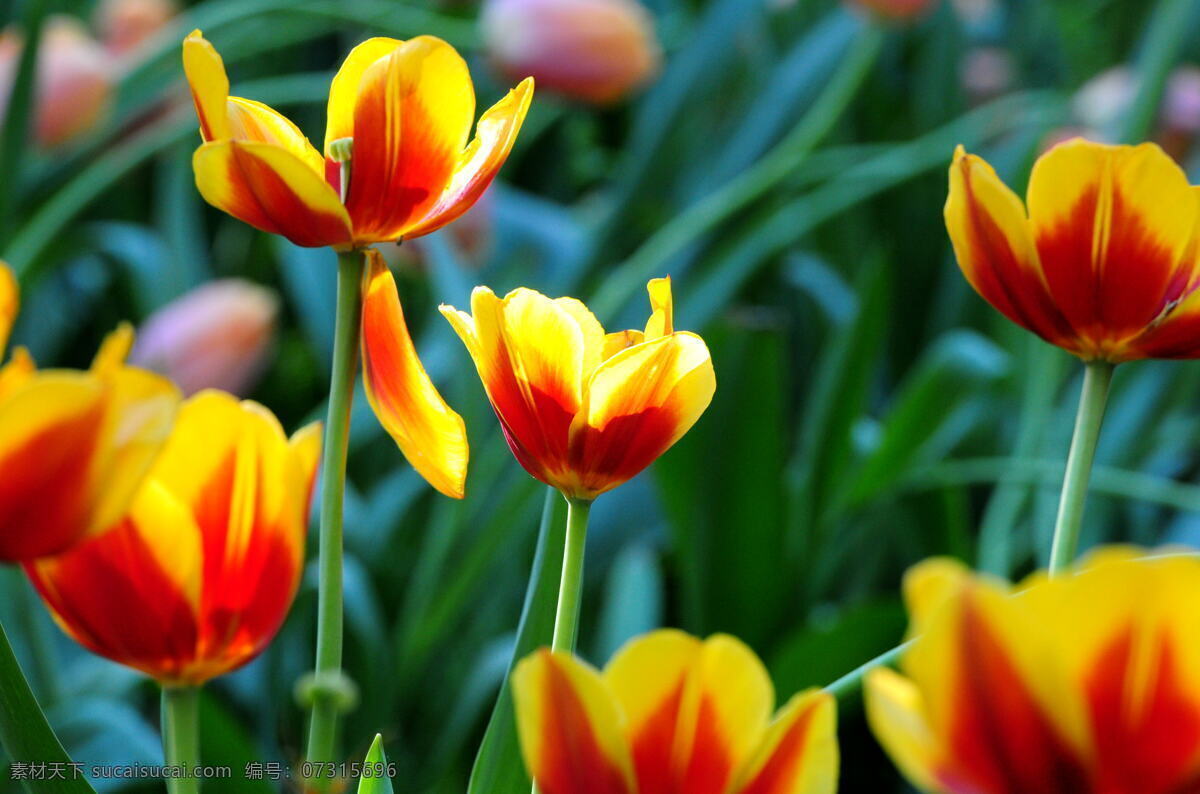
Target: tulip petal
568, 724
17, 372
411, 121
995, 250
347, 83
209, 84
619, 340
638, 404
1112, 225
895, 712
305, 445
430, 434
271, 189
529, 351
10, 299
146, 570
648, 677
49, 432
478, 165
800, 752
661, 322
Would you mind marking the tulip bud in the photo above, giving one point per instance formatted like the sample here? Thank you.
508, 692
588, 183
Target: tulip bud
1181, 108
124, 25
74, 79
591, 50
216, 336
895, 10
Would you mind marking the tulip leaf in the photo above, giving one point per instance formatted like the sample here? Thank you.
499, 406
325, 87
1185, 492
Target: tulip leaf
498, 766
18, 123
372, 782
24, 732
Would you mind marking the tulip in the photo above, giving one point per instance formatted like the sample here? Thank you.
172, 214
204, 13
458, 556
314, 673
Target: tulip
671, 713
74, 446
125, 25
581, 410
73, 89
1081, 683
196, 578
895, 10
1104, 263
257, 166
215, 337
595, 51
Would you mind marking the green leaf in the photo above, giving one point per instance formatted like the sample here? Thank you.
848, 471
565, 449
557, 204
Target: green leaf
498, 766
24, 732
370, 782
18, 122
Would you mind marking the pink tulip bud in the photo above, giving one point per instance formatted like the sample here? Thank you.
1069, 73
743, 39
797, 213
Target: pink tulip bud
895, 10
74, 79
125, 25
591, 50
1181, 106
216, 336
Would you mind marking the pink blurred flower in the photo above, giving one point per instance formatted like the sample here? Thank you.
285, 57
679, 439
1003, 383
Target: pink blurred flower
125, 25
74, 79
986, 73
592, 50
895, 10
216, 336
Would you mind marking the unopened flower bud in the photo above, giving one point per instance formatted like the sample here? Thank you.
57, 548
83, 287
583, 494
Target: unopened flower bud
216, 336
74, 79
124, 25
596, 51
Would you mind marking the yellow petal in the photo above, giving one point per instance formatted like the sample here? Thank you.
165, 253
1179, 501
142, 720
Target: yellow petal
270, 188
799, 754
10, 300
479, 163
209, 84
411, 121
647, 676
661, 322
347, 83
430, 434
569, 727
255, 122
113, 350
619, 340
895, 712
19, 369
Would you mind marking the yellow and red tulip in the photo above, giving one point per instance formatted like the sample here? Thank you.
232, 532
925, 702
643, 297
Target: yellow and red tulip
595, 51
197, 577
74, 446
671, 713
1101, 260
582, 410
1082, 683
256, 165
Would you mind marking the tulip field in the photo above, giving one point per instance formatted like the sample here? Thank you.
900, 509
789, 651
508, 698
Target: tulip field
600, 396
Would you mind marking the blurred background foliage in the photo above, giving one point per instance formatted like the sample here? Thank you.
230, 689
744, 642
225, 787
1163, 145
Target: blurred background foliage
786, 165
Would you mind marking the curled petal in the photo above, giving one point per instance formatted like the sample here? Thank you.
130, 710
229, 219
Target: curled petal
132, 594
429, 433
271, 189
639, 403
995, 250
799, 754
10, 299
209, 84
569, 727
661, 322
411, 121
478, 165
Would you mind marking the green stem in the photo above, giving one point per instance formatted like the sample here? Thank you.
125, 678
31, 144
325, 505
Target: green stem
1096, 378
325, 703
181, 736
566, 619
851, 682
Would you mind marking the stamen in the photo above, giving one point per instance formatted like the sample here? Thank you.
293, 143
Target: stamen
341, 151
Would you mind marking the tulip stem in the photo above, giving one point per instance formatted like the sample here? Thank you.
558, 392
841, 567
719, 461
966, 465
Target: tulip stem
347, 329
851, 683
1097, 376
181, 736
566, 619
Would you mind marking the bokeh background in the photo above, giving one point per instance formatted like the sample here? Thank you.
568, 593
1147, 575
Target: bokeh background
783, 160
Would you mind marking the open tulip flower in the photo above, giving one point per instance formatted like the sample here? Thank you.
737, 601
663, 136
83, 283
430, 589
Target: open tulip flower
197, 578
402, 110
1082, 683
671, 713
1101, 260
74, 446
582, 410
